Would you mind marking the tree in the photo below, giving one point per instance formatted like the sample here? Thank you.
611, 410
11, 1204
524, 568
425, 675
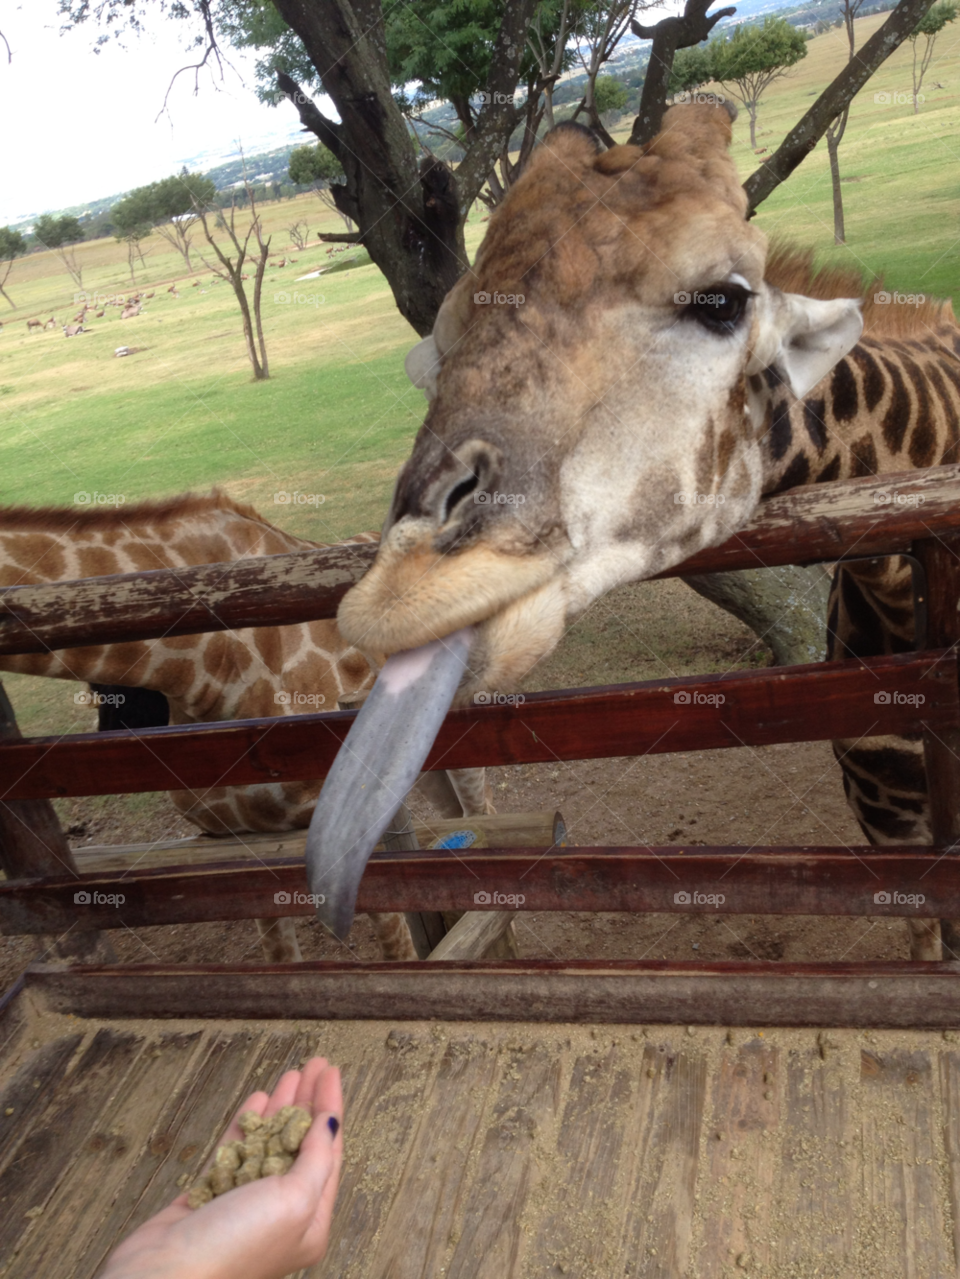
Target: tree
836, 130
598, 27
133, 219
691, 68
12, 245
749, 62
231, 269
58, 234
299, 233
175, 200
929, 26
318, 167
609, 95
547, 44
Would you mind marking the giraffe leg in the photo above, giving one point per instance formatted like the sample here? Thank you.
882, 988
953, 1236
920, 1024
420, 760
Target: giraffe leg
473, 791
950, 938
393, 935
278, 937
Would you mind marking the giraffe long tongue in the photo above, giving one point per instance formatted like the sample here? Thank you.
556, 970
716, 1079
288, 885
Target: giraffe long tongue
379, 761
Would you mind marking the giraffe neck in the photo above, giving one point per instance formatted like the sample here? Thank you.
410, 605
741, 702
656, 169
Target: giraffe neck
892, 404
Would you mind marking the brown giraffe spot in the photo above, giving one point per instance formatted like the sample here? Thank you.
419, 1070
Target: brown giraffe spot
845, 399
813, 420
863, 456
146, 555
259, 812
947, 415
96, 561
923, 440
897, 417
873, 381
269, 644
174, 676
830, 472
182, 641
798, 472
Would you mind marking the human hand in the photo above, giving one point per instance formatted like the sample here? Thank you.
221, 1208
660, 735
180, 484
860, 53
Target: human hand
265, 1229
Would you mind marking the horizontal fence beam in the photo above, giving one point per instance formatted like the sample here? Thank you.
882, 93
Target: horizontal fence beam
895, 882
753, 708
921, 996
870, 516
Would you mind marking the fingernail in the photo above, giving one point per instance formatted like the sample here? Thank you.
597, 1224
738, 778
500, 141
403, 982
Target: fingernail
333, 1123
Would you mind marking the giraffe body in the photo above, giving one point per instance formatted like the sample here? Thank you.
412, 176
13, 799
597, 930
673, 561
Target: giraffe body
241, 674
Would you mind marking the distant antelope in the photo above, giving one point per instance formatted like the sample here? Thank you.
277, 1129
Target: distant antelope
172, 288
99, 315
151, 293
195, 284
34, 324
51, 323
71, 330
129, 312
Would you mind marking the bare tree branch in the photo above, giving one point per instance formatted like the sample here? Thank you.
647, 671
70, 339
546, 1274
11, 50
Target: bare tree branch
805, 135
211, 49
9, 50
668, 35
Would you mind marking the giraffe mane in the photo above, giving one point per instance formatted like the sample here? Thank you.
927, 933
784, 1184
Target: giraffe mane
63, 518
792, 269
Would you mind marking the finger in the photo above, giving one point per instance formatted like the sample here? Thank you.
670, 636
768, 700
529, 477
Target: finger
319, 1154
284, 1092
308, 1079
328, 1093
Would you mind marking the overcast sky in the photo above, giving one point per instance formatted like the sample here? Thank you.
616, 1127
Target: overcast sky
76, 125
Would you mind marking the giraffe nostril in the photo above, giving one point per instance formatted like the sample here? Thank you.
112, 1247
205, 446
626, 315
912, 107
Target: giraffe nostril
462, 489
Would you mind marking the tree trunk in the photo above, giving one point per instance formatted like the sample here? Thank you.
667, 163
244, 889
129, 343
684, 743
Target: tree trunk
752, 112
785, 607
248, 337
833, 147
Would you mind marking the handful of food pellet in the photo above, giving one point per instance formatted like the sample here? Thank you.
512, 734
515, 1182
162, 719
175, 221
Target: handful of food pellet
268, 1149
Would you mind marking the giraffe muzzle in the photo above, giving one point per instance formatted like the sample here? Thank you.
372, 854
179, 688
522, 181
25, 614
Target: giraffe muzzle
379, 761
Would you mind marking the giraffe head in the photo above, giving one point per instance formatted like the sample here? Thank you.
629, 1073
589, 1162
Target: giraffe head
600, 417
598, 389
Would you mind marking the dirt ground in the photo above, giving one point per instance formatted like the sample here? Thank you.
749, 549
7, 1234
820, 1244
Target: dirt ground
784, 794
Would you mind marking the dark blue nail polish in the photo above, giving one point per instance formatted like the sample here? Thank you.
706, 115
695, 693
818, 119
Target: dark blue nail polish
333, 1123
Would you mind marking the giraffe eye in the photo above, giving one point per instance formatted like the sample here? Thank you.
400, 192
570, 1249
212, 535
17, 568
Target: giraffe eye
720, 307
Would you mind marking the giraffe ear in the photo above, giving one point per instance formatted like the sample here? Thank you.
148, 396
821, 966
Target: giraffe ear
422, 365
803, 338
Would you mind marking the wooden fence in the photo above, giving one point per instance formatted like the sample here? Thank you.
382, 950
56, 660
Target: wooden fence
817, 702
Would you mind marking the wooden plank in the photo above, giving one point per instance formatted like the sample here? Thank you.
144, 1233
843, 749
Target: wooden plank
656, 1240
382, 1120
31, 1090
502, 830
473, 935
893, 994
507, 1172
269, 590
949, 1067
417, 1229
901, 1215
799, 703
770, 881
47, 1151
815, 522
742, 1166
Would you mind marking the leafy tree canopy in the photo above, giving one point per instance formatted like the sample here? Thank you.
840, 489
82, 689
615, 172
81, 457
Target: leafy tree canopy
935, 19
12, 244
750, 56
691, 68
53, 233
310, 164
609, 94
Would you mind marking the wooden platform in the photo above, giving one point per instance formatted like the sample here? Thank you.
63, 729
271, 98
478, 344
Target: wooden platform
488, 1150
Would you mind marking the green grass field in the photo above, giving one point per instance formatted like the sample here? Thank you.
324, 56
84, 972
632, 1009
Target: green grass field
337, 416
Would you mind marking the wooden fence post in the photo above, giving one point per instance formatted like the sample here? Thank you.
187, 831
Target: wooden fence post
940, 559
33, 844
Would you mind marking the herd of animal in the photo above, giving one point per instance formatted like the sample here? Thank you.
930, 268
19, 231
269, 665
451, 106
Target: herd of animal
128, 307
